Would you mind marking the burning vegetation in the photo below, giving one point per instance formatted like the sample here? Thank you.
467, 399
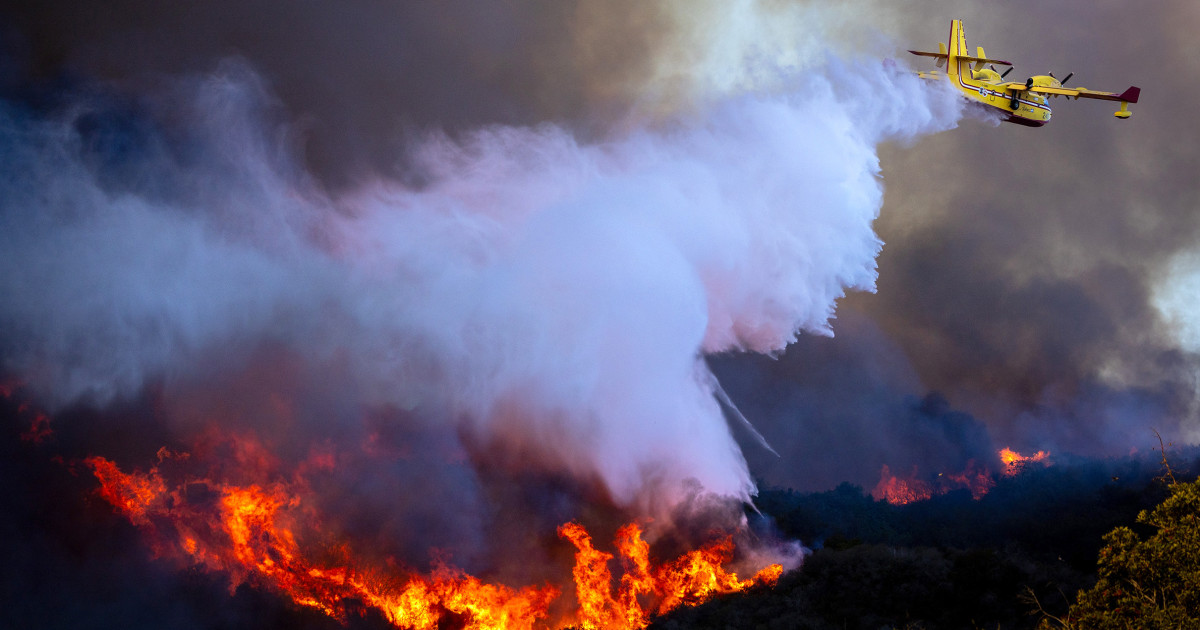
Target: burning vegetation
269, 535
248, 530
1015, 462
688, 580
978, 479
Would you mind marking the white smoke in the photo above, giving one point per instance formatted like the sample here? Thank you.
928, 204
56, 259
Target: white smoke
1175, 299
557, 297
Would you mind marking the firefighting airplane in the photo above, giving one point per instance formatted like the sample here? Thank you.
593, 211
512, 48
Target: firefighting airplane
1021, 103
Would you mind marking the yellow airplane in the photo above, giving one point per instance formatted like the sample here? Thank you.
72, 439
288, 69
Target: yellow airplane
1021, 103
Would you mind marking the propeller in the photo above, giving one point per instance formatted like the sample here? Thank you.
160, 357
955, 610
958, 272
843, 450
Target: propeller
1005, 72
1065, 79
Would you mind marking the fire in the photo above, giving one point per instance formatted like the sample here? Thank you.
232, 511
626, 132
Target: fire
899, 491
689, 580
698, 576
1015, 462
256, 533
975, 478
978, 479
251, 536
133, 494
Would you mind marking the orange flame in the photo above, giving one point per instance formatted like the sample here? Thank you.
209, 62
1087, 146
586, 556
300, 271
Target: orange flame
975, 478
133, 494
899, 491
253, 540
689, 580
638, 579
1015, 462
254, 533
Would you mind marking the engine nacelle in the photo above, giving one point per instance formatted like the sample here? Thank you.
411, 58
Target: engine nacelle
1043, 80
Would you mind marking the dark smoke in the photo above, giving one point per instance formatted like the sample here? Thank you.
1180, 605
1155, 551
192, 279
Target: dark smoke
1027, 291
1024, 268
852, 399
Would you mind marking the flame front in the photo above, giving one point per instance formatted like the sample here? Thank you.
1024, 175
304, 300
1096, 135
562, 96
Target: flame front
255, 533
250, 537
1015, 462
133, 494
689, 580
899, 491
978, 479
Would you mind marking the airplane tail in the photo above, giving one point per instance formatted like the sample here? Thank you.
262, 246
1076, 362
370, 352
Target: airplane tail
955, 55
957, 49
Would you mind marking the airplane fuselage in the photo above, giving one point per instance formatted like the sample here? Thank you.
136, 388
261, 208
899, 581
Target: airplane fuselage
976, 78
1016, 106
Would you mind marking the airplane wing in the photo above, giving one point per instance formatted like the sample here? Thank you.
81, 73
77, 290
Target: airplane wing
943, 55
983, 60
1128, 96
928, 54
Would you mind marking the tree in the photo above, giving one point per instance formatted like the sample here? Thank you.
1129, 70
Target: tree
1151, 583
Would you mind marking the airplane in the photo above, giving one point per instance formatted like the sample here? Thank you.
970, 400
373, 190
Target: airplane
1020, 103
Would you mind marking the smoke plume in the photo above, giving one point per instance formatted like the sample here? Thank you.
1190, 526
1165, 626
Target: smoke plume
551, 298
526, 301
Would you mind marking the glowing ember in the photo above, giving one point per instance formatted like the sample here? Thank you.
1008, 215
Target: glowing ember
256, 533
1015, 462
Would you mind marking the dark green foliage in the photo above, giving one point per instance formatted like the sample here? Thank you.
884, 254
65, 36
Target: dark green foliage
950, 562
1151, 582
842, 513
1058, 513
